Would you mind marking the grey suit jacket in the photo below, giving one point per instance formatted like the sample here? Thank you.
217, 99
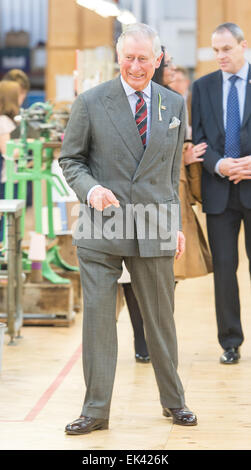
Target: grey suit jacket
102, 146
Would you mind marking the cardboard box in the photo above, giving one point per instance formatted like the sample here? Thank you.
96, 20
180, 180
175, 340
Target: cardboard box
17, 39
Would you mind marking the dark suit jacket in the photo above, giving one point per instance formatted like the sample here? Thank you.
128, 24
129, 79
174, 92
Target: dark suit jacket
208, 126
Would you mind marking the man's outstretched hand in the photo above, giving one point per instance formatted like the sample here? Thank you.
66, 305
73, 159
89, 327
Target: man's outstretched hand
102, 197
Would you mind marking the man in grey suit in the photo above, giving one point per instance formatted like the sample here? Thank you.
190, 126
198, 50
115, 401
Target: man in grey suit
121, 155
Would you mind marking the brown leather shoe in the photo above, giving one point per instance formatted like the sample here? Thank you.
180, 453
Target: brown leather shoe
182, 416
85, 424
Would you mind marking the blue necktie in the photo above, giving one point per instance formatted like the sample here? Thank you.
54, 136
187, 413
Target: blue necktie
233, 124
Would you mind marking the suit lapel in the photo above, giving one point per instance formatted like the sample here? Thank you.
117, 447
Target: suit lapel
247, 107
118, 108
216, 97
159, 127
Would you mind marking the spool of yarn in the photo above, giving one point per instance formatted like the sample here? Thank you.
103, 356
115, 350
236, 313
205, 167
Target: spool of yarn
36, 271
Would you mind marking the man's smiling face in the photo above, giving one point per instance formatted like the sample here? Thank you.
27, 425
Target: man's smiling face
137, 61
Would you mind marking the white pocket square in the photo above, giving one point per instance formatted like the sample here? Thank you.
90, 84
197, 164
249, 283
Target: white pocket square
175, 122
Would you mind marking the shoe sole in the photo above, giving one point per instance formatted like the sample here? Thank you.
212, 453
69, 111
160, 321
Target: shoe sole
74, 433
236, 361
229, 363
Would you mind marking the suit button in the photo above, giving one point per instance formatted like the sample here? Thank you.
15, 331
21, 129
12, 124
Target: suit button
153, 182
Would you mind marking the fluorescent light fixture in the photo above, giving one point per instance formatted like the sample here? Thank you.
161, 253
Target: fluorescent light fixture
126, 17
104, 8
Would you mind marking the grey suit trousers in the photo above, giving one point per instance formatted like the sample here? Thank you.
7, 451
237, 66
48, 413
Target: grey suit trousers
153, 284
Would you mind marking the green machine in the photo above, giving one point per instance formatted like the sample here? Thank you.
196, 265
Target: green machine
31, 160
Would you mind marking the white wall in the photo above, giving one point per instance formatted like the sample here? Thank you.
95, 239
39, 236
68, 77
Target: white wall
175, 21
29, 15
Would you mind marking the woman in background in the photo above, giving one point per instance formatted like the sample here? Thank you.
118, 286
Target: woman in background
196, 261
20, 77
9, 108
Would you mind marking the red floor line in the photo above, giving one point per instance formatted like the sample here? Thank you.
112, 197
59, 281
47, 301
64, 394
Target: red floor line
53, 387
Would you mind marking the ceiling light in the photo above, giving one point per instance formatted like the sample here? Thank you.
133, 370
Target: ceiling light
126, 17
104, 8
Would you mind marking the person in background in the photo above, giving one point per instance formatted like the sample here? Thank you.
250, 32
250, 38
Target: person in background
181, 81
17, 75
140, 346
9, 108
196, 261
22, 79
165, 74
221, 116
181, 84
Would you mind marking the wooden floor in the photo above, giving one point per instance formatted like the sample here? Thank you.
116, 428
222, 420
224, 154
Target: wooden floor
41, 384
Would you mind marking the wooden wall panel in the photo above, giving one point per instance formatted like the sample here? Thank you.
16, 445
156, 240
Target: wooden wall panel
94, 31
72, 27
209, 15
59, 62
240, 12
63, 23
203, 68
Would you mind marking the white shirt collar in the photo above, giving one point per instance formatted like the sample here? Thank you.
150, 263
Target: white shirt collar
242, 73
130, 91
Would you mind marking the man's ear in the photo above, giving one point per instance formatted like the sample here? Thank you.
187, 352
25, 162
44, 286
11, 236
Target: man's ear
158, 60
244, 44
119, 58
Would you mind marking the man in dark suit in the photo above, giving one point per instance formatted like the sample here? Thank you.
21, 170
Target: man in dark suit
221, 117
121, 153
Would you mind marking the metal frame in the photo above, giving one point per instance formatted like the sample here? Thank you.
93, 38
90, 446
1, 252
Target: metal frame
12, 209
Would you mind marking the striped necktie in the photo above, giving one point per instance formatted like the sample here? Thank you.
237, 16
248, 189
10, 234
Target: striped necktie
233, 125
141, 116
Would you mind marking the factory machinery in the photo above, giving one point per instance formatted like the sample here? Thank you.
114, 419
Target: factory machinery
30, 158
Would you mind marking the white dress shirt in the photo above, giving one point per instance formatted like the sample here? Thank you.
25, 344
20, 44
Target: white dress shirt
241, 85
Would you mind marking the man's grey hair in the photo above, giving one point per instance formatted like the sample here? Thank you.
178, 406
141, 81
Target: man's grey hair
140, 29
233, 28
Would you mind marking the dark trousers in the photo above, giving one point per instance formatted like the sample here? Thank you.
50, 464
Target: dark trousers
223, 233
136, 320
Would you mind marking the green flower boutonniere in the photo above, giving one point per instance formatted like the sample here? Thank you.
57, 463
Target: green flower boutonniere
160, 108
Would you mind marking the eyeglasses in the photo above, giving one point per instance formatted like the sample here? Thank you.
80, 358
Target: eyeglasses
169, 62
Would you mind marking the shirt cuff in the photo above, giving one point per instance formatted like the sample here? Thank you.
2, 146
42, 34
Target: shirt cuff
216, 168
89, 193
